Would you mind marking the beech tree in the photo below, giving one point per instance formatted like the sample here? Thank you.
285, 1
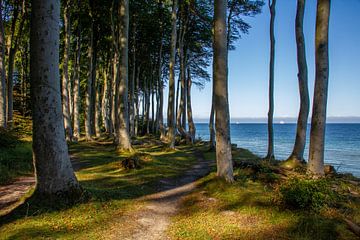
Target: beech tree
171, 101
270, 152
297, 154
221, 102
54, 173
318, 120
2, 71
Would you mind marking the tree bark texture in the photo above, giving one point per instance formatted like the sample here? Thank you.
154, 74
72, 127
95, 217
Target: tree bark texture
220, 72
300, 140
318, 121
171, 102
65, 75
2, 71
54, 173
270, 152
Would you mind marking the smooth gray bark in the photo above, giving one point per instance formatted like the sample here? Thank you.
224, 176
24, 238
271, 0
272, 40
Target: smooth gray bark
220, 74
318, 122
106, 101
54, 173
65, 75
171, 102
192, 129
300, 140
89, 88
16, 34
270, 151
77, 99
123, 130
2, 71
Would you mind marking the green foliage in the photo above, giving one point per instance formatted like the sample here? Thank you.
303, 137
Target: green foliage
308, 194
7, 139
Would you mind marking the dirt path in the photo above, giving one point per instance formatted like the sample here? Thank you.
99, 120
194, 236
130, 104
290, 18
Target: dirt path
152, 222
12, 193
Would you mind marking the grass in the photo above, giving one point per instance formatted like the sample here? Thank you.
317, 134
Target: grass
248, 209
113, 192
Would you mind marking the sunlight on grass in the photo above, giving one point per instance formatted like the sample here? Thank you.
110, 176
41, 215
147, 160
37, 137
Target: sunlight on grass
113, 191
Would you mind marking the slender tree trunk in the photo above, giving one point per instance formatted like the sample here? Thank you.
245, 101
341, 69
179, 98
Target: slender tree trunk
300, 141
14, 45
211, 126
97, 110
77, 99
270, 153
89, 89
137, 97
2, 71
124, 143
115, 110
65, 77
106, 100
192, 129
54, 173
171, 102
220, 71
318, 122
132, 88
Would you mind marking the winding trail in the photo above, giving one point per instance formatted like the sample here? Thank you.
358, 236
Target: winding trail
152, 222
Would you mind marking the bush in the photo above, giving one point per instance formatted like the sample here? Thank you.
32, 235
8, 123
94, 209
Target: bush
7, 139
307, 194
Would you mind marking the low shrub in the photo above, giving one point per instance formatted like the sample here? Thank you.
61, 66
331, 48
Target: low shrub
310, 194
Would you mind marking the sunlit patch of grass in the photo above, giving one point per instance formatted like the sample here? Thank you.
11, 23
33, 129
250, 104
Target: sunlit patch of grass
113, 192
246, 210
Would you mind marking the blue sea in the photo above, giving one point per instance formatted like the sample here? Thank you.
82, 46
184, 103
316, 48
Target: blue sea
342, 148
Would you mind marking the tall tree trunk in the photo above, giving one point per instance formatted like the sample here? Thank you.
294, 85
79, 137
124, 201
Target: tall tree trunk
65, 77
270, 152
2, 71
137, 97
132, 85
77, 99
300, 141
89, 89
115, 102
220, 71
211, 125
106, 101
16, 34
97, 109
318, 122
124, 137
192, 129
171, 102
54, 173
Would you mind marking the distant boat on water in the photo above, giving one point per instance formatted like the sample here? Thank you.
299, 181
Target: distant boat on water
282, 122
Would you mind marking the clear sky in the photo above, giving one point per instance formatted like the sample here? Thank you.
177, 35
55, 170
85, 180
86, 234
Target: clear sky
249, 64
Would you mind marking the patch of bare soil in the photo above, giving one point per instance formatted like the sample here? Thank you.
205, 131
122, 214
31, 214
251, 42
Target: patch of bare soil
11, 194
152, 221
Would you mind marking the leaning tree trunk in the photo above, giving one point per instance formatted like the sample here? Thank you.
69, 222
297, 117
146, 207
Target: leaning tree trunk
54, 173
171, 102
318, 122
77, 99
123, 130
192, 129
65, 77
2, 72
270, 153
300, 141
220, 73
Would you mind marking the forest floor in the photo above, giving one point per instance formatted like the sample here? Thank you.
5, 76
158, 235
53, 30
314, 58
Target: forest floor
175, 194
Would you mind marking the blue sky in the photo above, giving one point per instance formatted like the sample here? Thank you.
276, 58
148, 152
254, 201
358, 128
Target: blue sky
249, 64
